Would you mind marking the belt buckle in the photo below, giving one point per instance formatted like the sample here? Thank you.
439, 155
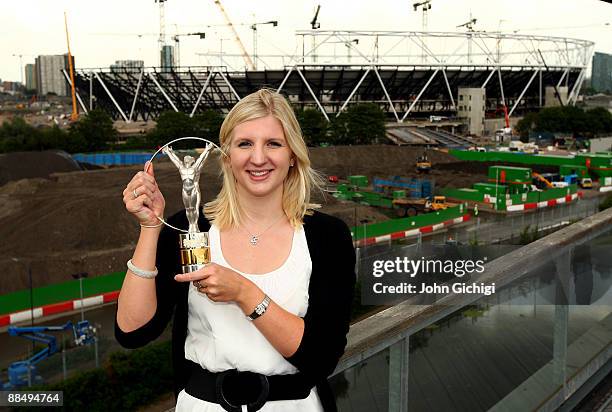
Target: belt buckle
251, 407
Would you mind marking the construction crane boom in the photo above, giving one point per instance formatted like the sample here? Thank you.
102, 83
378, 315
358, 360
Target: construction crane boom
314, 24
245, 54
74, 116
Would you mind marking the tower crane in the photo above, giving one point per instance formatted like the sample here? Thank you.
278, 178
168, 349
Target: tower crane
469, 25
425, 6
274, 23
177, 45
245, 55
314, 24
162, 29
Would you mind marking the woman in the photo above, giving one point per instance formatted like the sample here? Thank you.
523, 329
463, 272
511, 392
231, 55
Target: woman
265, 322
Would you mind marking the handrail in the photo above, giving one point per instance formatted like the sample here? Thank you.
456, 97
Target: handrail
380, 331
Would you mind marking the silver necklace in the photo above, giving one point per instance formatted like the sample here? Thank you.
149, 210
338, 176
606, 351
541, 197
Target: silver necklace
255, 238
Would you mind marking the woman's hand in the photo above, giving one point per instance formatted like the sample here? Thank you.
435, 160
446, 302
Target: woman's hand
143, 198
220, 284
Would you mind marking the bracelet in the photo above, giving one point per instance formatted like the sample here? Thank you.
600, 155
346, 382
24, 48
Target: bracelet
260, 309
147, 274
152, 226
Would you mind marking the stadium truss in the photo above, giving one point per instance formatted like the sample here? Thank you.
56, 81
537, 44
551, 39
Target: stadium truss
409, 74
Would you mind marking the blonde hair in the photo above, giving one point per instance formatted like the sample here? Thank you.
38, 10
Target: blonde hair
225, 210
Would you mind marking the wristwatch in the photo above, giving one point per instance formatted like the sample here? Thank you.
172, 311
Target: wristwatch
260, 309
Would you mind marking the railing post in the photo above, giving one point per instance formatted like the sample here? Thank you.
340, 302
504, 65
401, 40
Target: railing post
398, 376
562, 284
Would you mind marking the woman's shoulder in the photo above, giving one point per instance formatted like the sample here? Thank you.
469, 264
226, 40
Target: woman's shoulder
322, 223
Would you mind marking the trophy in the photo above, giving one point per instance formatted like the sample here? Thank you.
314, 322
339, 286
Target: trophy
193, 244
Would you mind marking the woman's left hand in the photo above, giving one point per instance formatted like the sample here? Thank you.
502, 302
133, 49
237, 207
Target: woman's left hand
219, 283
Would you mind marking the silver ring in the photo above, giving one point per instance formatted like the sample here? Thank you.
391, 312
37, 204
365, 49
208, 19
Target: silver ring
135, 193
197, 284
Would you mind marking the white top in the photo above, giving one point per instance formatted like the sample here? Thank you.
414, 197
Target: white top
220, 337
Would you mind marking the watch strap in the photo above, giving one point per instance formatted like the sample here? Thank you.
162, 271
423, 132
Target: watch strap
260, 309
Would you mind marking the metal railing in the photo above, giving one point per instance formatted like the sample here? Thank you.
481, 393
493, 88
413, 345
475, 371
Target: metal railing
389, 332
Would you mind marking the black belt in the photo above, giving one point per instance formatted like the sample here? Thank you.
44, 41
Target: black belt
232, 388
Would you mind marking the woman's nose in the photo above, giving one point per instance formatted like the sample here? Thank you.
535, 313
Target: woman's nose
258, 155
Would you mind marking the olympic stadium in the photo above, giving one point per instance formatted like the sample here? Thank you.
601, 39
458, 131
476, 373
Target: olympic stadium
410, 75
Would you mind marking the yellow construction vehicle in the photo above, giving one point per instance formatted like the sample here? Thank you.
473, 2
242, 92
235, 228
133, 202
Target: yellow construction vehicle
423, 165
405, 206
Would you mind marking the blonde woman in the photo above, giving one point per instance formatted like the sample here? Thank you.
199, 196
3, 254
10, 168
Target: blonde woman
264, 324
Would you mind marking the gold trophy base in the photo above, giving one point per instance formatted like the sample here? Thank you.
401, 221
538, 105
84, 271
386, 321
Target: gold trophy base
195, 251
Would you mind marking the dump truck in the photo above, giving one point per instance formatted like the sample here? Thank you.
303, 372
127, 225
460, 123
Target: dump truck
411, 207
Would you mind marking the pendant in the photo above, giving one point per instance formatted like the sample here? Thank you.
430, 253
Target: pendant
254, 240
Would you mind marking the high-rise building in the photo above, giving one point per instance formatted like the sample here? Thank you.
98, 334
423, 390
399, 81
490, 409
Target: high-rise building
129, 65
601, 79
30, 77
49, 75
167, 58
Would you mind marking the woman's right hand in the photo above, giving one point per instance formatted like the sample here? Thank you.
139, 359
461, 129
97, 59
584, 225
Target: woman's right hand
149, 202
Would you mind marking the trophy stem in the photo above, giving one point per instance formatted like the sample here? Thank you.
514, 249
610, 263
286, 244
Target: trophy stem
195, 251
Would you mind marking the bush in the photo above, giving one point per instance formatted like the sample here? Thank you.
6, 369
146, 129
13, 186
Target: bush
93, 130
128, 381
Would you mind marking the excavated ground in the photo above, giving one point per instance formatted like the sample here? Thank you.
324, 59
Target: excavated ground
61, 220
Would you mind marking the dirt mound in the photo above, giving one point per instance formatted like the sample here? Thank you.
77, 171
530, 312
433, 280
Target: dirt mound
24, 165
76, 221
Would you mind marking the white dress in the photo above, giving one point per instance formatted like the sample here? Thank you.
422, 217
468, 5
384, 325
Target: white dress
220, 337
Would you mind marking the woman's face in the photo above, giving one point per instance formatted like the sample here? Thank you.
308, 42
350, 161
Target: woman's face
259, 156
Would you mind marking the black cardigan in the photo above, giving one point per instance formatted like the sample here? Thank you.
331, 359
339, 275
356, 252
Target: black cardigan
326, 323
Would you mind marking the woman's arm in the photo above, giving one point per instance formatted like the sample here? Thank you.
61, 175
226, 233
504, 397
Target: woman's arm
282, 329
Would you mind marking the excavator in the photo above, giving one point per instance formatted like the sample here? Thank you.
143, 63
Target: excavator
542, 179
423, 165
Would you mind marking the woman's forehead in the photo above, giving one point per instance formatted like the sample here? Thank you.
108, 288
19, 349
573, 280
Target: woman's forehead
261, 126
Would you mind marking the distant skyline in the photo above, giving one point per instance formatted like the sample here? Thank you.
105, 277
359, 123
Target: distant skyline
102, 32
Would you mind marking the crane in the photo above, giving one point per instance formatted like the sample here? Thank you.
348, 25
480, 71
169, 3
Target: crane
469, 25
314, 24
74, 116
22, 373
177, 46
162, 29
274, 23
425, 6
245, 55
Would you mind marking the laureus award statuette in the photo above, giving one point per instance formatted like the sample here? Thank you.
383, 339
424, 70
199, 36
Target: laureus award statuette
194, 246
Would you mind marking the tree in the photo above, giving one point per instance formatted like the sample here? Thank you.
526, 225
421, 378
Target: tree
207, 125
314, 126
361, 124
171, 125
17, 135
95, 129
526, 124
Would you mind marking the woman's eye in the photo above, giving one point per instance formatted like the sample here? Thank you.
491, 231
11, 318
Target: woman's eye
244, 144
275, 144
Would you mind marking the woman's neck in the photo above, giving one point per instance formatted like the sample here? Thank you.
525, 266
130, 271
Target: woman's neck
261, 210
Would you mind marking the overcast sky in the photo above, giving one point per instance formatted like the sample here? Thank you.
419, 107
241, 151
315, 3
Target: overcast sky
104, 31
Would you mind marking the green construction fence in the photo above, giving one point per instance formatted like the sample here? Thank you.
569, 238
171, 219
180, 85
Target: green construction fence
407, 223
60, 292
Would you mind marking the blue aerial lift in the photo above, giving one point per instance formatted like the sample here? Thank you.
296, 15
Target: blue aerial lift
23, 373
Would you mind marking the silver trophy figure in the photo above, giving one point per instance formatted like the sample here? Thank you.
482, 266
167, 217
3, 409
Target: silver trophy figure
195, 252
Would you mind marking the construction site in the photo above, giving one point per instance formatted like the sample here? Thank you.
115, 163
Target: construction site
451, 177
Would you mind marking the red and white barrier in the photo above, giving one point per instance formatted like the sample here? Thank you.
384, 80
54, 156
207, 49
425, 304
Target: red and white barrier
411, 233
54, 308
545, 203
